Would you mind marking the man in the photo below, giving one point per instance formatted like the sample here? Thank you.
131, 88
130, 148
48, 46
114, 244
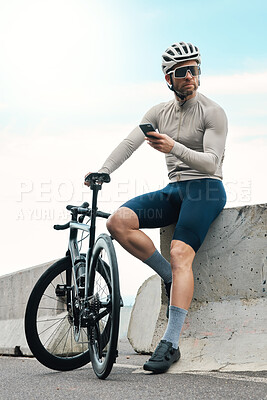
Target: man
192, 133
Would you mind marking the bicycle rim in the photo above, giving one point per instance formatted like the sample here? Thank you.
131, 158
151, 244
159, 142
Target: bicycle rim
104, 289
49, 321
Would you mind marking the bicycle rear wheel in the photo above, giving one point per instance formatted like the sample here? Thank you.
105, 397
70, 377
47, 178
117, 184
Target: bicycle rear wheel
105, 294
49, 320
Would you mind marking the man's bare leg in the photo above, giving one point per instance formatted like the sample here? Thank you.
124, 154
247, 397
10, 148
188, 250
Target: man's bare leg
182, 257
124, 227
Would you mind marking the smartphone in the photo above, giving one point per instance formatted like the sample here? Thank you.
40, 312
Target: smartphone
147, 128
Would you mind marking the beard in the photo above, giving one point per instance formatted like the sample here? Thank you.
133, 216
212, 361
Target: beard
186, 92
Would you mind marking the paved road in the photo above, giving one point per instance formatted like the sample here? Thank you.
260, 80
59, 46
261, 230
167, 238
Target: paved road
25, 378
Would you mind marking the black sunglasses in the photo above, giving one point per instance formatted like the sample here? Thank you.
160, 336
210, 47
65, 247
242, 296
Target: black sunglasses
181, 72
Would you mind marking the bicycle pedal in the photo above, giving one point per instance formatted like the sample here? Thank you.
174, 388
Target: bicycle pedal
61, 290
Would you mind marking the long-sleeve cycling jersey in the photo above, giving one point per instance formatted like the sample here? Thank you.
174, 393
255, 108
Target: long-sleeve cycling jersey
199, 129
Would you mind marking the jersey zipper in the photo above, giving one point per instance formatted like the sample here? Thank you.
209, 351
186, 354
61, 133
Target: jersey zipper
179, 126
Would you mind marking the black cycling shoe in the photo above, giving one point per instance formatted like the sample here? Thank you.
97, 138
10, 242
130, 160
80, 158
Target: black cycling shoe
162, 358
168, 293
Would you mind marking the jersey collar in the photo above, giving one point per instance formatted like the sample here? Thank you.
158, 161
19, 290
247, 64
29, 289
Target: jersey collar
186, 105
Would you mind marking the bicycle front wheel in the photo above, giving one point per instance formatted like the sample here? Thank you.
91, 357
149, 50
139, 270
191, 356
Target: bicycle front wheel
104, 292
49, 320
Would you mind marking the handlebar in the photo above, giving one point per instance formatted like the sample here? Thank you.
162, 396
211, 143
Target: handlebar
102, 214
84, 205
84, 210
62, 227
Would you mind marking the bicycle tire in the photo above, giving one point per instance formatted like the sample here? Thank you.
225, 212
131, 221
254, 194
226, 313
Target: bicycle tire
103, 334
44, 340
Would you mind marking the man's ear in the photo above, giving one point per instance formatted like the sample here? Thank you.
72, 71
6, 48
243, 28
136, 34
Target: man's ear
168, 79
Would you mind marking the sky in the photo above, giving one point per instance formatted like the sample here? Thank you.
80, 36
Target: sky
77, 76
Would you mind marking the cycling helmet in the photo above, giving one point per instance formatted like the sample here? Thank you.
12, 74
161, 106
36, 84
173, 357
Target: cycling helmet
179, 52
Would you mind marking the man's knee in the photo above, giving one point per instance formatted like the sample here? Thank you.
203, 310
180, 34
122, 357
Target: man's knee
114, 224
122, 220
182, 255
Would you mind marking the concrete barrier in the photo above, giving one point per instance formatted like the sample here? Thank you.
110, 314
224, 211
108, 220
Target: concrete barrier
15, 290
226, 326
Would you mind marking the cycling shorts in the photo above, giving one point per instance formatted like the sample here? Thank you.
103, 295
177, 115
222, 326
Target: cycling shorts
192, 204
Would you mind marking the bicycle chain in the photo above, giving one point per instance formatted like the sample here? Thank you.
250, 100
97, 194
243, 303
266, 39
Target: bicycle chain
95, 307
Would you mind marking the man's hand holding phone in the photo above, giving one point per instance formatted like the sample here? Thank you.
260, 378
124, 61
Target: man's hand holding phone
148, 130
158, 141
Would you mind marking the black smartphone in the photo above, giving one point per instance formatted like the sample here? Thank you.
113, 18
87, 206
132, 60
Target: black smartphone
147, 128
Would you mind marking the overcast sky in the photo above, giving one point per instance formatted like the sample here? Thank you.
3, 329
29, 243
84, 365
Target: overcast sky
77, 76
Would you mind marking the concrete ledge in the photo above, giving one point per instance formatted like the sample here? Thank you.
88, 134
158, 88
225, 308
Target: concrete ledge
226, 326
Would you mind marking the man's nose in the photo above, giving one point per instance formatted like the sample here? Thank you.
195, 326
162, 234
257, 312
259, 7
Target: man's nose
188, 75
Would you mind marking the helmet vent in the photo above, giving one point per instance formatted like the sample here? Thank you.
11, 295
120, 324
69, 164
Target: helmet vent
168, 59
185, 49
171, 52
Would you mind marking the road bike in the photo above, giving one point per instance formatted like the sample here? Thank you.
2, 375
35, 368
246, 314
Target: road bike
73, 312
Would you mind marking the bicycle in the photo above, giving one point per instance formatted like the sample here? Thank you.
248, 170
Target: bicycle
72, 315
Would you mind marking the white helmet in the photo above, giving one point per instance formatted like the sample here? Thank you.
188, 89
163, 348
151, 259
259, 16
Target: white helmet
179, 52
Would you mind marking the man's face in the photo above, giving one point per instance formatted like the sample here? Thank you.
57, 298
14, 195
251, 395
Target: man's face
188, 85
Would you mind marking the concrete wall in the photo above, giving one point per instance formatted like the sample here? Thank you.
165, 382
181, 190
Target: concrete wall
226, 327
15, 289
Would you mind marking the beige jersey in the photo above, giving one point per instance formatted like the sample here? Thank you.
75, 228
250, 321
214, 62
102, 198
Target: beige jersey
199, 129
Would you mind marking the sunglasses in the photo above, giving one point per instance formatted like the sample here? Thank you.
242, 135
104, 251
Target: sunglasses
181, 72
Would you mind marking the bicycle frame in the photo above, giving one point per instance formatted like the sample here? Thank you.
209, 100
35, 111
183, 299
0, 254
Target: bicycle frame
74, 227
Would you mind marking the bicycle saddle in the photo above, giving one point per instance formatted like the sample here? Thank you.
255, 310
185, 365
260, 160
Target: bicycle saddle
95, 177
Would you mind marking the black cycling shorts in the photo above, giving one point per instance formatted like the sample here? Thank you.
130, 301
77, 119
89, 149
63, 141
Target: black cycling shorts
193, 204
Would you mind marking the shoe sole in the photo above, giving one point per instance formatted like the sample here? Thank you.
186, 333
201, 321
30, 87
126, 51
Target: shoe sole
156, 371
